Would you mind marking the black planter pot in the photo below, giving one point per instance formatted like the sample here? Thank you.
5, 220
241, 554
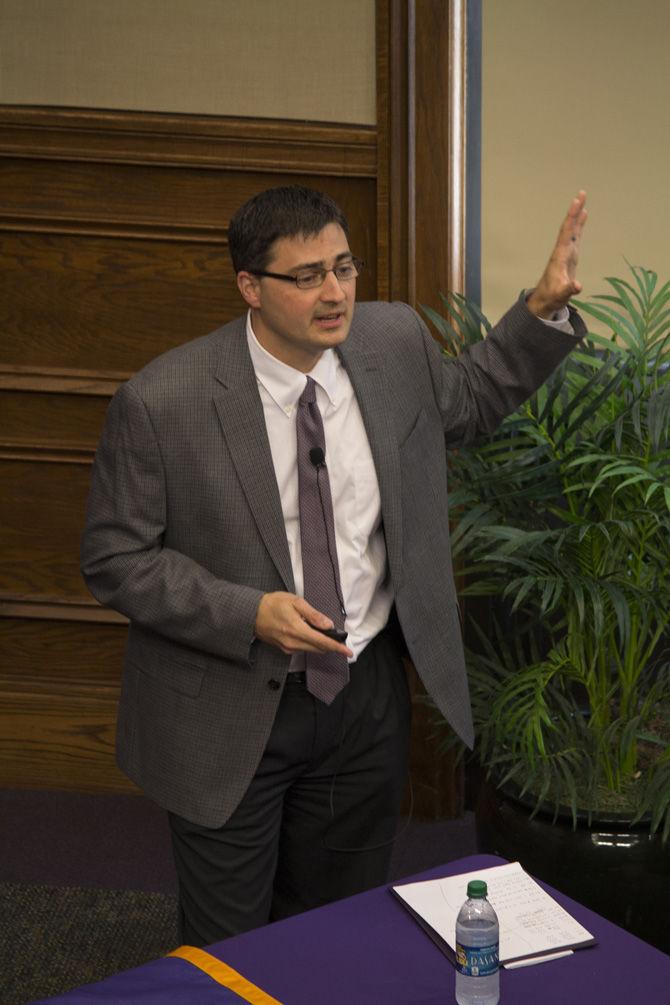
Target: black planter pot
623, 873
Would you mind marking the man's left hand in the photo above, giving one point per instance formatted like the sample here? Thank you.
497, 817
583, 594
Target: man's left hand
558, 282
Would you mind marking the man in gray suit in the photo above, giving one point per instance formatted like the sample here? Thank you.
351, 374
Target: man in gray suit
282, 795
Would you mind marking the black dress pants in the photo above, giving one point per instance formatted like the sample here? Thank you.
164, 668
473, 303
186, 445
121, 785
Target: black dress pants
318, 820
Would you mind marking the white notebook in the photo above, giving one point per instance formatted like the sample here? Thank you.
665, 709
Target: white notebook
533, 926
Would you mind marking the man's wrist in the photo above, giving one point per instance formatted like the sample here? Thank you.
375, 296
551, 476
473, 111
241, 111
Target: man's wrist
545, 311
560, 319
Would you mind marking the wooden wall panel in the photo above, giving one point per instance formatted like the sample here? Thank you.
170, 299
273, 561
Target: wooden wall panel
60, 739
113, 248
70, 652
60, 684
99, 303
48, 422
145, 199
41, 517
76, 300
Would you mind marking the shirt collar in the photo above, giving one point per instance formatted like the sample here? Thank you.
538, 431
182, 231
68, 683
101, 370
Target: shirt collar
284, 383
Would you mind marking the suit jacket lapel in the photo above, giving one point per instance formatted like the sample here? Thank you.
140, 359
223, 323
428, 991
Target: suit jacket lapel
242, 420
366, 373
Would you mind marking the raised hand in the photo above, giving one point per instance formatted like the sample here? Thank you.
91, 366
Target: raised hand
559, 282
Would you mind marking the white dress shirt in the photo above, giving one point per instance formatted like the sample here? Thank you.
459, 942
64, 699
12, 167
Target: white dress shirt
359, 538
361, 549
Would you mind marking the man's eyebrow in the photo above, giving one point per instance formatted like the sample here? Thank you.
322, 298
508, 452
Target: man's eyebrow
320, 265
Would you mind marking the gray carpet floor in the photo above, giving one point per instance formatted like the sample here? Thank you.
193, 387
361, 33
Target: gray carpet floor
56, 938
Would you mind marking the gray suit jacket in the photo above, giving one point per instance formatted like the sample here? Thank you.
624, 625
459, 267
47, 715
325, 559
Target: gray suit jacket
185, 533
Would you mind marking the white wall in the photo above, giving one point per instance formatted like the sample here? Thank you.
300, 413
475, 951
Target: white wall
295, 59
575, 95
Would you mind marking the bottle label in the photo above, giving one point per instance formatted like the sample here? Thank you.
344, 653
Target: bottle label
477, 961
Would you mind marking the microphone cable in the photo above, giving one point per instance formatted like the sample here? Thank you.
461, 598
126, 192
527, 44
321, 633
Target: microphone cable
380, 844
318, 458
331, 800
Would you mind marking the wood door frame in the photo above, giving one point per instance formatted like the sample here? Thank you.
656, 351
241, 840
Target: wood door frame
423, 202
425, 196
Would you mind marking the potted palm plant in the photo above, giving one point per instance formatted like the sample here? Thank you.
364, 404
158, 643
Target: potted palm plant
562, 521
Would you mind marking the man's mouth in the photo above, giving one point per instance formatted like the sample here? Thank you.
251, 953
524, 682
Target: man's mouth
329, 320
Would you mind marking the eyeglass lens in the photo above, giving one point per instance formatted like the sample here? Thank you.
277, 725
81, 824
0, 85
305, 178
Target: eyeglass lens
316, 277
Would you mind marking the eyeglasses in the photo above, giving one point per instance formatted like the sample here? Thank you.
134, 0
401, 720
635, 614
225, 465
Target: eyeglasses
309, 279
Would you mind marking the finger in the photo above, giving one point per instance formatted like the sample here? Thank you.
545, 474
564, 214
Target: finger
577, 204
575, 217
320, 643
578, 225
304, 638
572, 218
580, 199
565, 255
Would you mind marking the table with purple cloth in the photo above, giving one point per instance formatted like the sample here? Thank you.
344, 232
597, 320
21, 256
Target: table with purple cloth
368, 950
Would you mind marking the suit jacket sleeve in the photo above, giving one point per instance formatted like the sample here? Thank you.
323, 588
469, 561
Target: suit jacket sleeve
123, 558
494, 377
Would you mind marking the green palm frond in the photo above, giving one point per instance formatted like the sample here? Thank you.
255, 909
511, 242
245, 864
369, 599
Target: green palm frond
562, 519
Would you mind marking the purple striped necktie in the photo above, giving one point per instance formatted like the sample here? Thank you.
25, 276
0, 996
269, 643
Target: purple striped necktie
327, 673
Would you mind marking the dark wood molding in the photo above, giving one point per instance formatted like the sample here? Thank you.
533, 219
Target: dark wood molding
61, 380
432, 153
145, 230
393, 135
419, 250
421, 141
276, 146
53, 453
58, 609
37, 685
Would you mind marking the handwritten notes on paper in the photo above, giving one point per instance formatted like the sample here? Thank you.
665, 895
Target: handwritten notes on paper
532, 924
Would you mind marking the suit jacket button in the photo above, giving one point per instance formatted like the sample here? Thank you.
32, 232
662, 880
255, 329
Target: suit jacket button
274, 684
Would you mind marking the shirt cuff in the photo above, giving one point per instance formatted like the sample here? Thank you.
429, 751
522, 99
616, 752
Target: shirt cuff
560, 320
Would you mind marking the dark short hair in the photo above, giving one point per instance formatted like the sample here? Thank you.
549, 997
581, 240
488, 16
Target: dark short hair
287, 211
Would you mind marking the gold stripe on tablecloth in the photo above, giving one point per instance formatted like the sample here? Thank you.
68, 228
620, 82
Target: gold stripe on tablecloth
225, 975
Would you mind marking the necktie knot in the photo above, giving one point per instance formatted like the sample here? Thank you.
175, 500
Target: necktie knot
308, 396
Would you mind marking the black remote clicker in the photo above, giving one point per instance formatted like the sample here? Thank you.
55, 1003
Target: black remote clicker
333, 633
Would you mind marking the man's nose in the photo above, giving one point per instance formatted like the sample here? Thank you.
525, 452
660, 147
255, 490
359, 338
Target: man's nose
332, 288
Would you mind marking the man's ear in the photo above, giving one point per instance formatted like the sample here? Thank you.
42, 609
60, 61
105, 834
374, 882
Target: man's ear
250, 288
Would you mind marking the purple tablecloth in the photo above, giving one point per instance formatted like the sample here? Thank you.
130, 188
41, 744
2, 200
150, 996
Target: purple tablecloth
368, 950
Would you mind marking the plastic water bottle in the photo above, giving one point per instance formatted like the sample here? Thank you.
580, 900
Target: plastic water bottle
477, 935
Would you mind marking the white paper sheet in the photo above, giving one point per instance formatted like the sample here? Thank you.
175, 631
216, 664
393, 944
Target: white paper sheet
531, 922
